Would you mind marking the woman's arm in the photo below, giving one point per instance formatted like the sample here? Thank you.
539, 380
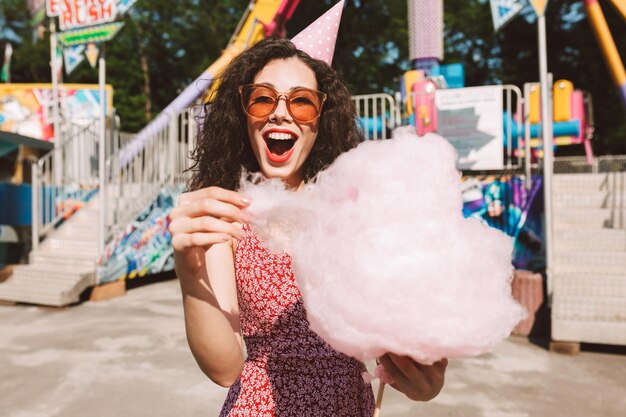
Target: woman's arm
202, 231
212, 316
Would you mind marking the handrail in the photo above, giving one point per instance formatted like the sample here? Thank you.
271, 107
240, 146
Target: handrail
53, 199
132, 184
377, 113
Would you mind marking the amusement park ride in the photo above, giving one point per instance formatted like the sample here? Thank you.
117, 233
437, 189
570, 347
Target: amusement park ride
90, 234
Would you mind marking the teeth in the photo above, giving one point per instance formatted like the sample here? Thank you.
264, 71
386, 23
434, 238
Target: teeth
280, 136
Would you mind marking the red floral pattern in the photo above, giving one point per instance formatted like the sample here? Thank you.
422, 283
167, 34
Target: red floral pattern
290, 370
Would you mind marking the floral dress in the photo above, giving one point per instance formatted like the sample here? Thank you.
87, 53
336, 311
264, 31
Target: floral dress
289, 370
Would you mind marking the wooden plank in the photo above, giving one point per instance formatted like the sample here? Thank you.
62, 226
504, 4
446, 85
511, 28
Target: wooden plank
6, 272
108, 291
566, 348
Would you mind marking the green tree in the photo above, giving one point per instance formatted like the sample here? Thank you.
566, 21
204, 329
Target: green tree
30, 55
165, 45
372, 45
511, 57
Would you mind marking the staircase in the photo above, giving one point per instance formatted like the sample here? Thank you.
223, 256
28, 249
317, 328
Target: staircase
66, 246
62, 266
589, 258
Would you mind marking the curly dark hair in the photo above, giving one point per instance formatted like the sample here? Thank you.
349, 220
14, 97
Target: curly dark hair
223, 149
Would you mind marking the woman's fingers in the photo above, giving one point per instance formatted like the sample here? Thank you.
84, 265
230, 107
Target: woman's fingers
210, 207
419, 382
393, 371
206, 217
185, 241
206, 224
214, 193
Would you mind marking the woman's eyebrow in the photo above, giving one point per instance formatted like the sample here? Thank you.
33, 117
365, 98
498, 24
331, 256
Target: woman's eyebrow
290, 89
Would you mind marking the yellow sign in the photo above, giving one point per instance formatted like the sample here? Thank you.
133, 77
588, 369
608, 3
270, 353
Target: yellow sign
539, 6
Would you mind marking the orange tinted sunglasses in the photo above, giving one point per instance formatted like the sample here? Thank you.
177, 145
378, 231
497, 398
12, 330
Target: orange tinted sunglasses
261, 100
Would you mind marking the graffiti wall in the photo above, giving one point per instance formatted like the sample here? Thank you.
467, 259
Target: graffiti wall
26, 109
505, 203
145, 247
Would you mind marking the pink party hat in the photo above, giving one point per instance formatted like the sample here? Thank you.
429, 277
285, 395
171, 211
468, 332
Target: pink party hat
318, 39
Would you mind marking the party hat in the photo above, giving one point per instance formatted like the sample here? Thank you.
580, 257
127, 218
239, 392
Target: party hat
318, 39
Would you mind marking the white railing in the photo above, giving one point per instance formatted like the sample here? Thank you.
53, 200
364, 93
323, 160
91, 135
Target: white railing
131, 185
378, 115
581, 165
187, 132
51, 199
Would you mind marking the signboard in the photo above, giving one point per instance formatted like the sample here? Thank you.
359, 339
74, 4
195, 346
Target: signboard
93, 34
503, 11
539, 6
53, 7
81, 13
471, 120
26, 109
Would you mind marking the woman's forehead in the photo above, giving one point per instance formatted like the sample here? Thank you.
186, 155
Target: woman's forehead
286, 74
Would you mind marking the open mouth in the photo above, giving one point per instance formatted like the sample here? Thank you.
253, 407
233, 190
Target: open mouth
279, 143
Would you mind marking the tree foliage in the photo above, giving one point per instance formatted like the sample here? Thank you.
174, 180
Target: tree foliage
165, 45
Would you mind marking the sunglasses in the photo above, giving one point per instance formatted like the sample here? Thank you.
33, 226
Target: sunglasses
261, 100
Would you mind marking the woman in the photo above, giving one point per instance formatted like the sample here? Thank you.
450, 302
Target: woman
279, 112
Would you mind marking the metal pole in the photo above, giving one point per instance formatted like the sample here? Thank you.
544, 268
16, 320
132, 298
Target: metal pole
101, 150
547, 148
58, 137
36, 214
173, 142
527, 138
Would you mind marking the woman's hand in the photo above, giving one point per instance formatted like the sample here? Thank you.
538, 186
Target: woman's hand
203, 218
418, 382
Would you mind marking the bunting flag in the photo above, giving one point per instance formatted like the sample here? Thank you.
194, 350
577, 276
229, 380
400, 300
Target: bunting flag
539, 6
72, 56
124, 5
503, 11
93, 50
5, 75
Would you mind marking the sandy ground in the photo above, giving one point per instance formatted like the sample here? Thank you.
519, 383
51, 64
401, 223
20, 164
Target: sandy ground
129, 357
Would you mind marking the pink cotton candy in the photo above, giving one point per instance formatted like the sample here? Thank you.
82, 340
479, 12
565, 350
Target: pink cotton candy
385, 260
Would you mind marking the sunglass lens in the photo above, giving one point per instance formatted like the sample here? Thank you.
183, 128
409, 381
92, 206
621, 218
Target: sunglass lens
304, 104
259, 101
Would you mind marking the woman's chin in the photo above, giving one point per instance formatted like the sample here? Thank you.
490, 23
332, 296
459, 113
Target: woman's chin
285, 174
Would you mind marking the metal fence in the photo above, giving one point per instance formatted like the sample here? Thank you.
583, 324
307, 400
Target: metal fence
77, 159
378, 115
580, 164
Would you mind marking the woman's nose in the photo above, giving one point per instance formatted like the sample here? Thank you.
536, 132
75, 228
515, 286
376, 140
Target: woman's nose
281, 112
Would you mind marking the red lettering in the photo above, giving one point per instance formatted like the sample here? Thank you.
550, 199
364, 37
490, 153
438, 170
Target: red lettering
81, 13
108, 13
52, 7
93, 13
66, 15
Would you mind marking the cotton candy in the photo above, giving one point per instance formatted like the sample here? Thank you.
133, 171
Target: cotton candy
383, 257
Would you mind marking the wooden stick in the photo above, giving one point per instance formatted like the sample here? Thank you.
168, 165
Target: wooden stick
379, 399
